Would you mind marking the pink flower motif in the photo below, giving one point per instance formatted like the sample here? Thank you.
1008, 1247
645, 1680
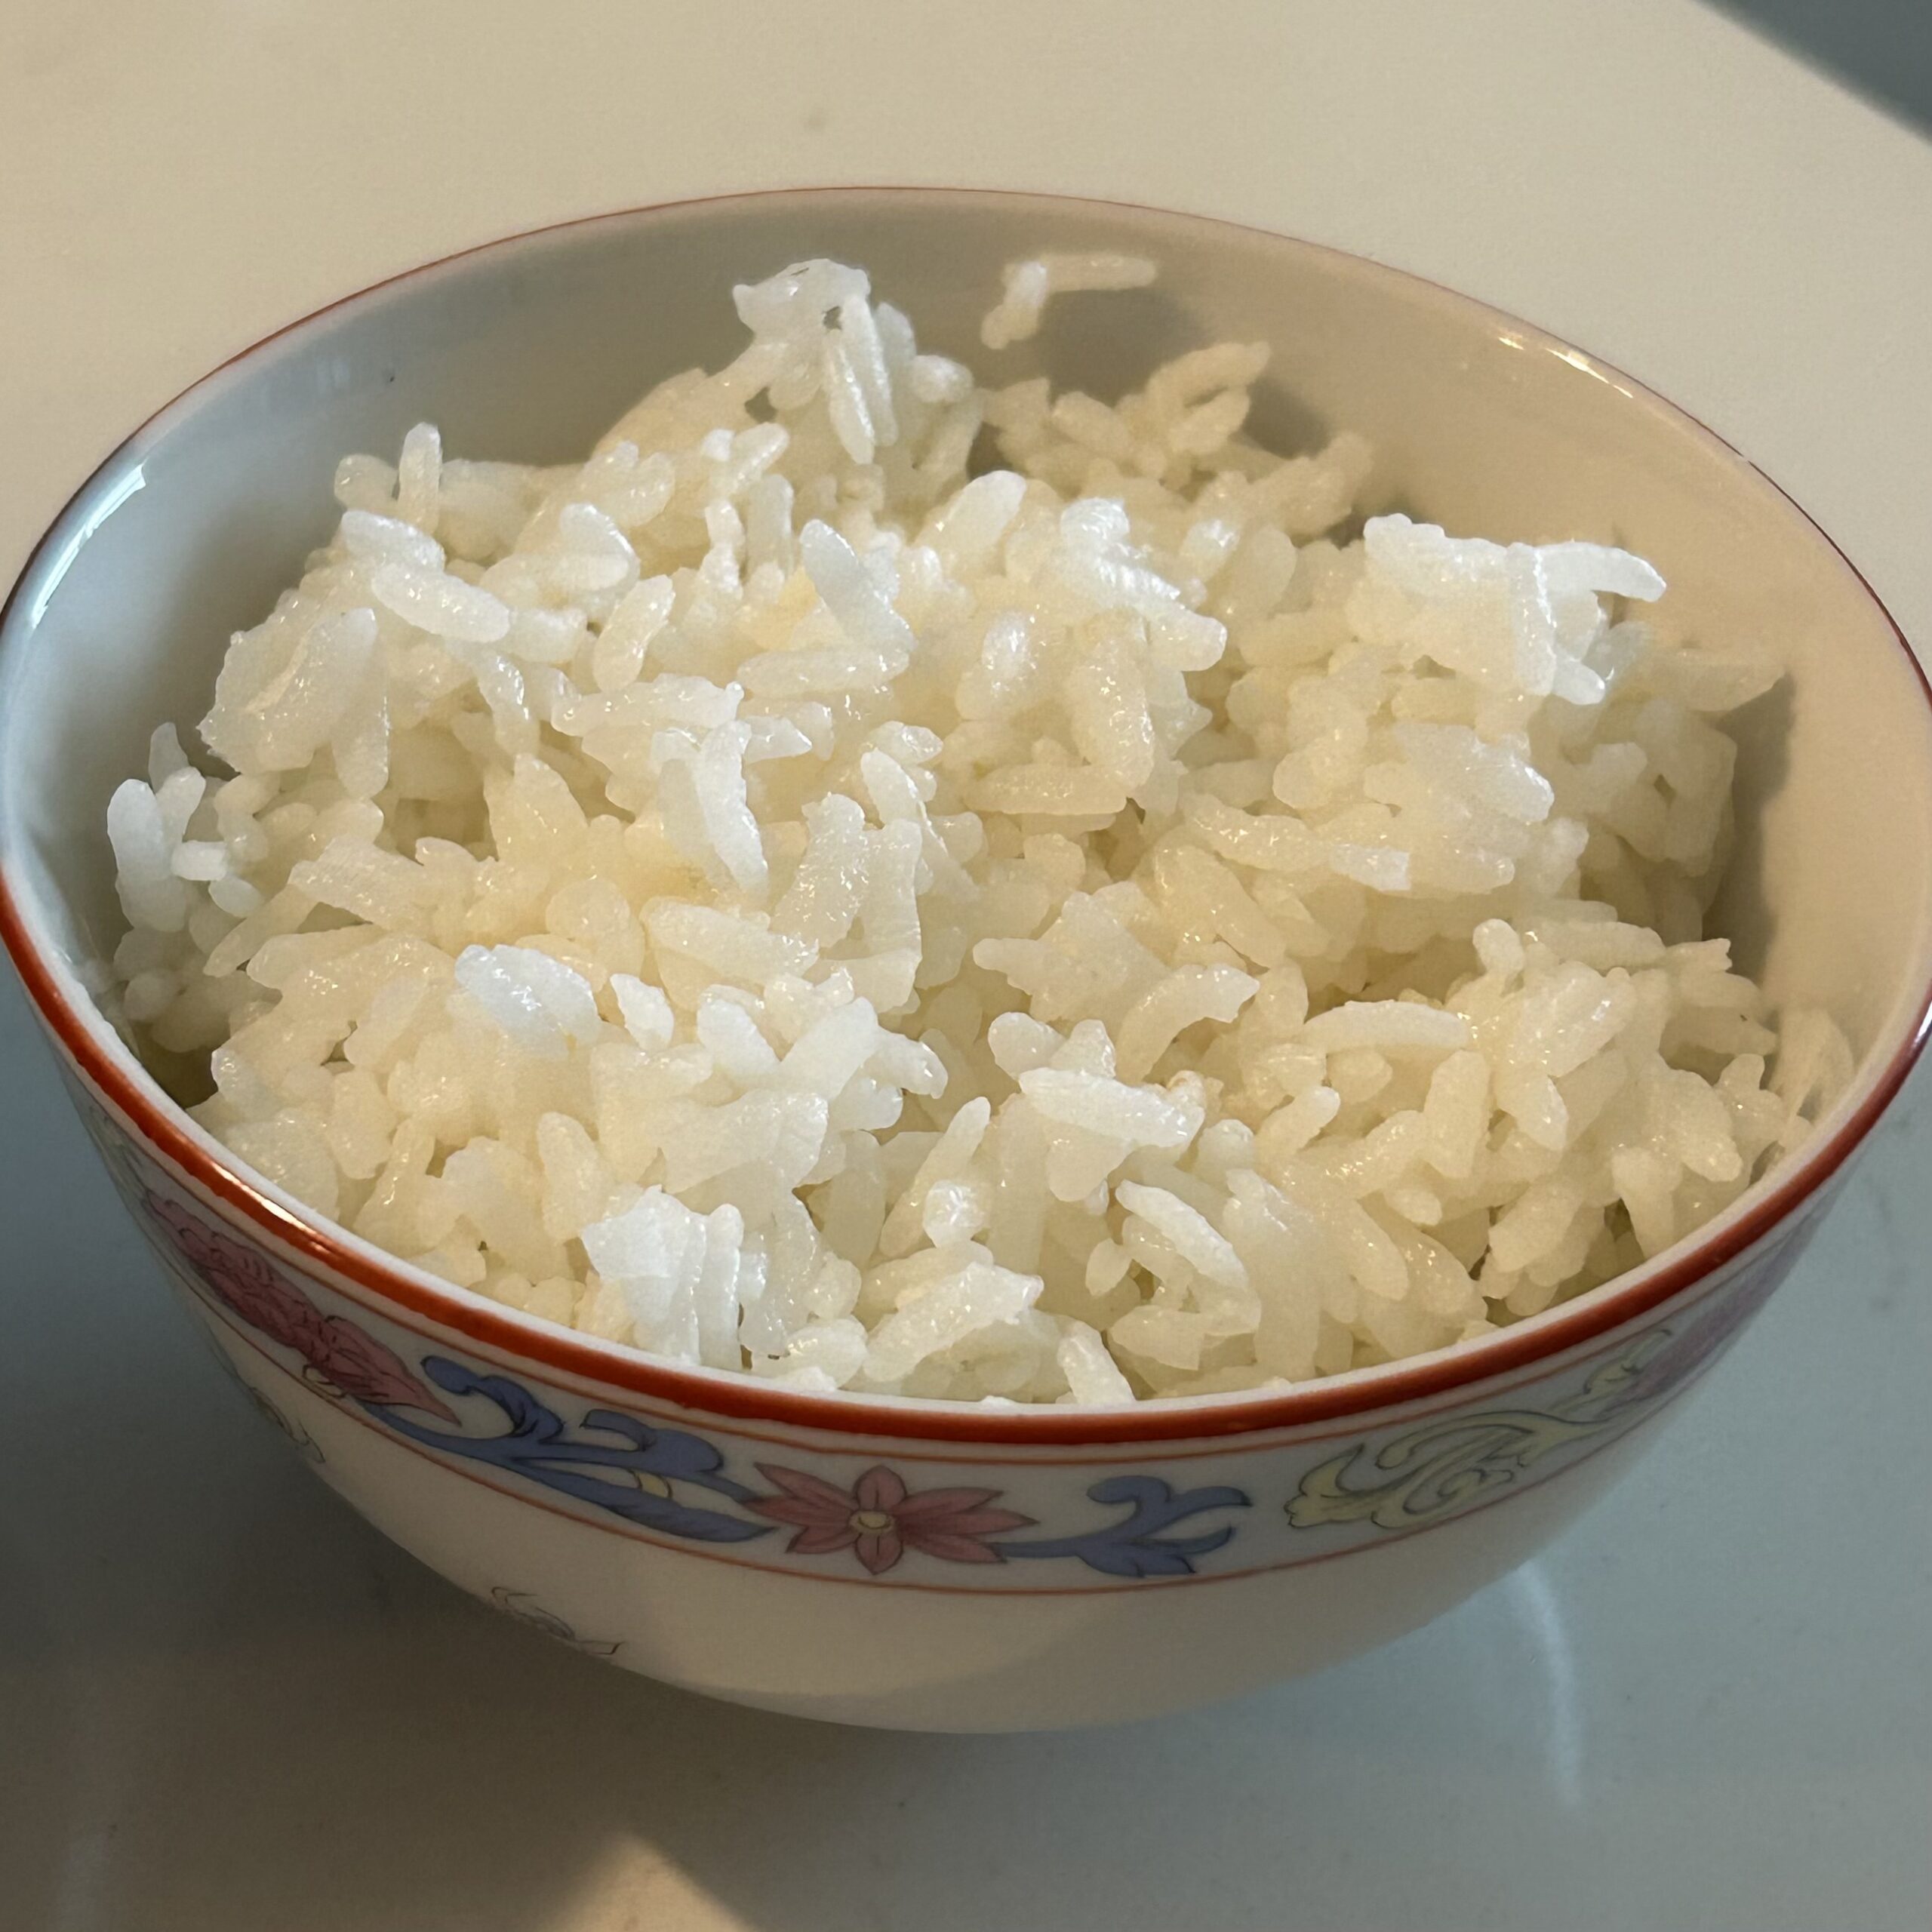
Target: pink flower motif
343, 1356
878, 1519
359, 1365
242, 1280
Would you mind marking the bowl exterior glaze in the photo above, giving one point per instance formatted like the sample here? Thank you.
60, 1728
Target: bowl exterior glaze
895, 1580
928, 1566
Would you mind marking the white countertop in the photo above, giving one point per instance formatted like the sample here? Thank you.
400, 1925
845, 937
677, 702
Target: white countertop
226, 1705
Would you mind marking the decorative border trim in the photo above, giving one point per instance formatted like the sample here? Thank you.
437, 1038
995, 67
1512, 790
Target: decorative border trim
678, 1488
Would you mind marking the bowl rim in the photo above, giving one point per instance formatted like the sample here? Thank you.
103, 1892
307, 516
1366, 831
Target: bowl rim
110, 1067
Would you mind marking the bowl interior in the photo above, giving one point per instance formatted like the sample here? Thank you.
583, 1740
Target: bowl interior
529, 349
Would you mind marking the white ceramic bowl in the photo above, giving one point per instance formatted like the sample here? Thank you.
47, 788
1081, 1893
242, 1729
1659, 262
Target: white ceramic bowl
957, 1569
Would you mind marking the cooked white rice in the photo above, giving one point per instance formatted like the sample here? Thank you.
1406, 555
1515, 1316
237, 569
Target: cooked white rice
1081, 933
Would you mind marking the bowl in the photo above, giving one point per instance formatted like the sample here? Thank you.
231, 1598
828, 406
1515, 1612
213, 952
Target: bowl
886, 1561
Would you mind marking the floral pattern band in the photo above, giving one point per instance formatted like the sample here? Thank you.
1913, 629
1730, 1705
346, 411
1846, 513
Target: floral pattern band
810, 1511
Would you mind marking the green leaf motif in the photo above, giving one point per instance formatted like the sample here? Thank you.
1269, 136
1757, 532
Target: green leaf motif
1448, 1465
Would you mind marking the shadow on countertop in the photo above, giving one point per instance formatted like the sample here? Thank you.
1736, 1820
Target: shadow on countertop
1882, 48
